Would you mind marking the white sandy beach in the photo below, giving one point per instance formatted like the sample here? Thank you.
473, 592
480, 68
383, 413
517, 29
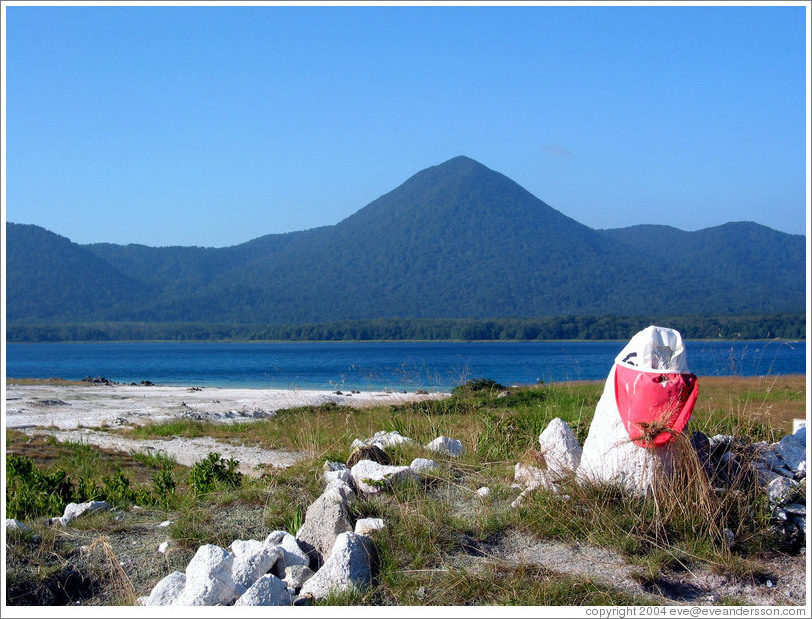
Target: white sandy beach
80, 413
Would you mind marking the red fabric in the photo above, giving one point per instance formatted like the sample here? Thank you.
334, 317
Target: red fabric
654, 407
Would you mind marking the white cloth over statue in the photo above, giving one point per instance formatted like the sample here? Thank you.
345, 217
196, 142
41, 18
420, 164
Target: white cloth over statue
618, 450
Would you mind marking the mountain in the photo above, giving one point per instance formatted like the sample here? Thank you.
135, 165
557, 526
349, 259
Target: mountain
455, 240
49, 277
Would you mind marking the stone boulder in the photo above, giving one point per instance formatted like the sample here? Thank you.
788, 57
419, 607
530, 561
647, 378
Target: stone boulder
368, 526
326, 518
649, 386
253, 559
560, 448
12, 524
610, 457
166, 591
792, 451
349, 566
423, 465
371, 477
384, 440
208, 578
449, 446
531, 477
292, 552
268, 590
74, 510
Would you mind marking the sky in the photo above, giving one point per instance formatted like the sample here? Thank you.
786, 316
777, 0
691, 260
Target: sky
214, 125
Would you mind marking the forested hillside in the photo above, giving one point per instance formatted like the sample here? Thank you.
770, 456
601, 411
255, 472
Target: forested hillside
455, 241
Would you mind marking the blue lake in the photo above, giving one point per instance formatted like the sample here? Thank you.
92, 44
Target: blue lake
375, 365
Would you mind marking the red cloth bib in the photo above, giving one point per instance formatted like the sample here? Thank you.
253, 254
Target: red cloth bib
654, 407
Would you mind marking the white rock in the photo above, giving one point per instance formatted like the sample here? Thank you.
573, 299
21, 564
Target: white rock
367, 526
449, 446
329, 466
325, 518
349, 566
292, 553
372, 477
163, 547
208, 578
167, 590
165, 523
780, 489
268, 590
484, 492
792, 449
531, 477
252, 559
560, 448
342, 475
342, 489
520, 499
422, 465
74, 510
12, 524
385, 440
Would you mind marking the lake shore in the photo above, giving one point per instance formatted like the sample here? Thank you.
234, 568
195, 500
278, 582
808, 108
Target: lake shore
78, 412
69, 405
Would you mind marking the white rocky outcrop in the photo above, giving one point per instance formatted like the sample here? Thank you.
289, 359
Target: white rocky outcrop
609, 455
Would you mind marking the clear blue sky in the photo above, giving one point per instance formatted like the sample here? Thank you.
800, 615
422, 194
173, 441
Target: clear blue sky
212, 126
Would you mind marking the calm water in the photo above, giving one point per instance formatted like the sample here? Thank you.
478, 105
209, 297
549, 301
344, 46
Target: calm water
365, 366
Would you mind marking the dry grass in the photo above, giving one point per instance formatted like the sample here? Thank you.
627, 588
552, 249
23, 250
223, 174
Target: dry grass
119, 585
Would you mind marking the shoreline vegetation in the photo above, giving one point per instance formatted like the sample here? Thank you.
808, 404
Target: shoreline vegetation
551, 328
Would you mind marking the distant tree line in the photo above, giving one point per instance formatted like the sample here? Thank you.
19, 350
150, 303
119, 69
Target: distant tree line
727, 327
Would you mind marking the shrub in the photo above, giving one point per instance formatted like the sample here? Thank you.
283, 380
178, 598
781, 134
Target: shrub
210, 471
31, 493
477, 384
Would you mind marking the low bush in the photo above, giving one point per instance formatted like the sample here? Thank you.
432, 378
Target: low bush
212, 471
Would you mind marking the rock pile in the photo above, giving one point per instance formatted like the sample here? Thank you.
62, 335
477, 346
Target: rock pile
329, 553
778, 468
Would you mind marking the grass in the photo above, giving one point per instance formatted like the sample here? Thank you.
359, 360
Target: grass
438, 530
